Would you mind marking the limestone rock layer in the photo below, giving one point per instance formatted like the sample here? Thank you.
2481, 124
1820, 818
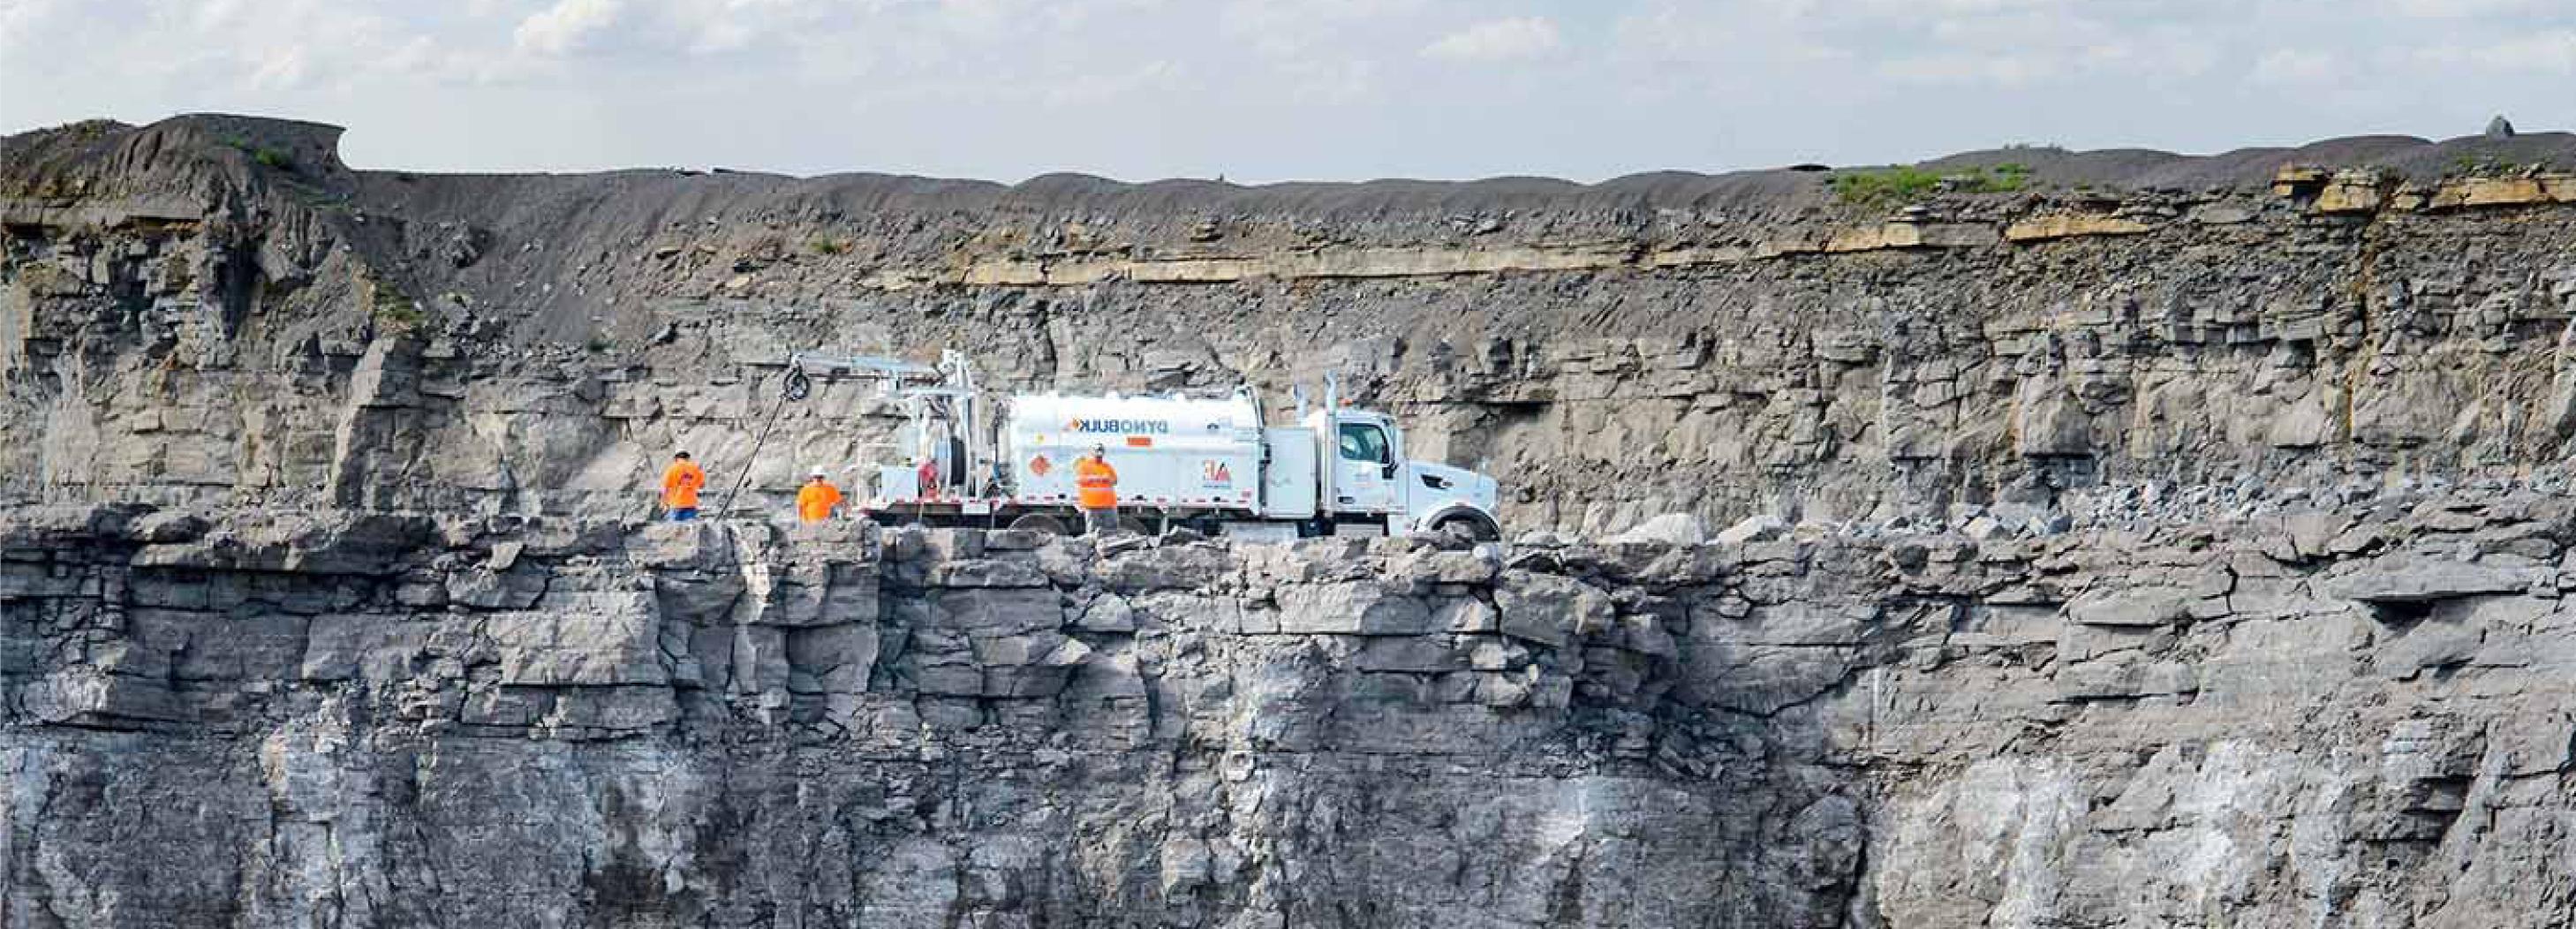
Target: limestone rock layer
2171, 542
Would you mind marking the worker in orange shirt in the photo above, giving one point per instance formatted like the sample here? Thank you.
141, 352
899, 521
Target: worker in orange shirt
1095, 486
680, 485
926, 478
817, 499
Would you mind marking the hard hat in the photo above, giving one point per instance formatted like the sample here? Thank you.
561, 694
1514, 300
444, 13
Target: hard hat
818, 472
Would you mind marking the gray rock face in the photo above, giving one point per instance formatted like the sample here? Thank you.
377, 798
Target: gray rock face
2195, 723
2151, 547
183, 323
1668, 529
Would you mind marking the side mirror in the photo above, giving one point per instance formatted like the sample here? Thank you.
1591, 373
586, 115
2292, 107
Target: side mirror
1390, 470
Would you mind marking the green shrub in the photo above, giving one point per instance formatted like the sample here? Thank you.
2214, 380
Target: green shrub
388, 305
400, 313
2490, 166
827, 246
1902, 184
265, 156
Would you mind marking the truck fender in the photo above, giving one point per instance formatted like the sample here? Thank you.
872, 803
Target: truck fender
1459, 511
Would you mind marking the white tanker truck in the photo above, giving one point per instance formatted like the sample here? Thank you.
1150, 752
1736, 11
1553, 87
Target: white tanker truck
1213, 463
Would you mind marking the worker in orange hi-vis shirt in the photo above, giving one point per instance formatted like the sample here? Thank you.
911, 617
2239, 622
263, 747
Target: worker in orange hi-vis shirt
680, 485
817, 499
1095, 486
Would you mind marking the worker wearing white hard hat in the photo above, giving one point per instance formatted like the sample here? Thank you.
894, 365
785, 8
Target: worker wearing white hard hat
817, 499
1096, 491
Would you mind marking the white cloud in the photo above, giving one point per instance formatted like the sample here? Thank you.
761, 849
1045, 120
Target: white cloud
2552, 52
1911, 9
2296, 67
2003, 70
1278, 89
1152, 76
25, 23
1306, 29
1497, 40
2459, 9
566, 26
287, 67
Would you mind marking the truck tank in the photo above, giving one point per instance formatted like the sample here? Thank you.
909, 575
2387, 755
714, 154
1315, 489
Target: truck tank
1176, 453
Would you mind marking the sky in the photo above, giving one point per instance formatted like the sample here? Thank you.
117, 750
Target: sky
1269, 90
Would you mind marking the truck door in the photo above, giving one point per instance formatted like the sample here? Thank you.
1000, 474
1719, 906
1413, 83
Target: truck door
1364, 468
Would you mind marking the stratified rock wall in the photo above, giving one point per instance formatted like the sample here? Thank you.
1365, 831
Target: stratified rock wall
2310, 718
213, 310
2177, 542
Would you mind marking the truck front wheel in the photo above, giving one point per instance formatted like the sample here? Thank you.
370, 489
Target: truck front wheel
1470, 527
1040, 522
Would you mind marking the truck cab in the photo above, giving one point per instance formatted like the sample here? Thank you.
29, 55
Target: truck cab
1367, 479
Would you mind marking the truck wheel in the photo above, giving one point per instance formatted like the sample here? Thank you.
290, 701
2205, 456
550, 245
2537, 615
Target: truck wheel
1470, 528
1040, 522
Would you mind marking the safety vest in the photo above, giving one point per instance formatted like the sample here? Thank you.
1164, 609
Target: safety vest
680, 485
1096, 483
814, 503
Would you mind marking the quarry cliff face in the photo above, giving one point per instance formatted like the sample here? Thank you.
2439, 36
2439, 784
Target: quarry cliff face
214, 310
2173, 542
2323, 718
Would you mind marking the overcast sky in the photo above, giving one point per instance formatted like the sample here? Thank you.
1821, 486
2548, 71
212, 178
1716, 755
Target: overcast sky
1260, 90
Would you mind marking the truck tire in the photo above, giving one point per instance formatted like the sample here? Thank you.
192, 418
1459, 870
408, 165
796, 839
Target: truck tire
1040, 522
1470, 527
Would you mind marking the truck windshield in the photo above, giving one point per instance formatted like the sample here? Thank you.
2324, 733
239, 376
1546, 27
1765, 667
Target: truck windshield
1364, 442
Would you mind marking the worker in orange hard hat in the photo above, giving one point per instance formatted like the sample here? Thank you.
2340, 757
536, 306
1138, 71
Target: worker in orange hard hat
680, 485
817, 499
1095, 486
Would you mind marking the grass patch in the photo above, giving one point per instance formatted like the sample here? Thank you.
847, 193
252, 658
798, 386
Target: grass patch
2490, 166
827, 246
401, 314
87, 130
264, 156
389, 306
1902, 184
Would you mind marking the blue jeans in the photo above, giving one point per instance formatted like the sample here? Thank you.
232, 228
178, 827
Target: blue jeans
682, 514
